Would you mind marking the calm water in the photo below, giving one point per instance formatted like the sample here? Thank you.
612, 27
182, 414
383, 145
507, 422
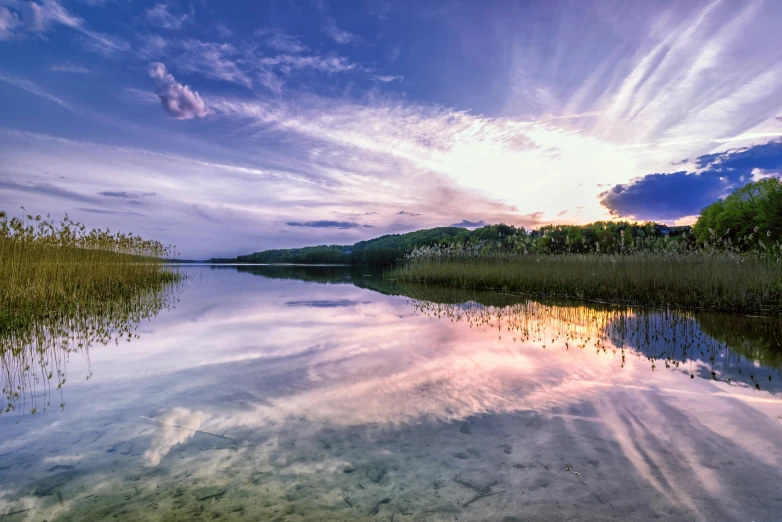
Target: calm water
296, 393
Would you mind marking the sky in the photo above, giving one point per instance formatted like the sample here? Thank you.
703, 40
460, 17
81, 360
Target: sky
230, 127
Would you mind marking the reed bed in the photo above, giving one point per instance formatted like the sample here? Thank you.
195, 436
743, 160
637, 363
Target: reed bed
60, 269
679, 275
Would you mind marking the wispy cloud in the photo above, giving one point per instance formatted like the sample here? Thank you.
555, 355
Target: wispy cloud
47, 189
139, 96
178, 100
220, 61
388, 79
69, 67
406, 213
9, 22
34, 88
331, 30
125, 194
161, 15
329, 64
285, 43
323, 224
40, 17
108, 211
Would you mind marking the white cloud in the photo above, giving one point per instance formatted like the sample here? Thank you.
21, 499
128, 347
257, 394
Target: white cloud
34, 88
329, 64
179, 100
9, 22
285, 43
50, 12
69, 67
332, 31
388, 79
220, 61
138, 96
43, 16
160, 16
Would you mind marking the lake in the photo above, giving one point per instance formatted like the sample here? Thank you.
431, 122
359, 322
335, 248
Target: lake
325, 393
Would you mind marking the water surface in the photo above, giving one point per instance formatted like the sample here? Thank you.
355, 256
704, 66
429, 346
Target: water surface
300, 393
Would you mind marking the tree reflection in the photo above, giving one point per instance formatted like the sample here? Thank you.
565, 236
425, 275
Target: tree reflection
725, 347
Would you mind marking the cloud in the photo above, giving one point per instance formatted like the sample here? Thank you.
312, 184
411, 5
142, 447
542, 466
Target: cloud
285, 43
220, 61
43, 16
126, 195
160, 16
69, 67
323, 224
178, 100
223, 31
140, 96
34, 88
329, 64
469, 224
47, 189
336, 34
406, 213
50, 12
109, 212
9, 22
668, 197
388, 79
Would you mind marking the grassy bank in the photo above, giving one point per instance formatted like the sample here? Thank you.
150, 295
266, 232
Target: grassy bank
61, 269
686, 279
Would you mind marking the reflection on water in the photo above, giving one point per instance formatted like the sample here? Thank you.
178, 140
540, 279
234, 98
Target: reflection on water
279, 397
33, 360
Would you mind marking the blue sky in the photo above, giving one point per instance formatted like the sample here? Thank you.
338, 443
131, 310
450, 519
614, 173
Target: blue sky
230, 127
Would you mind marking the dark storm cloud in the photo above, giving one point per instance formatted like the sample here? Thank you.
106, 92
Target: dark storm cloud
662, 196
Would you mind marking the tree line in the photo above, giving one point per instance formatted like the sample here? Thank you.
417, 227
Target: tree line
749, 215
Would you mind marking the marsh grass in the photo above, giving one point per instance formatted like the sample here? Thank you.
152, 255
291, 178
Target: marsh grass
664, 274
61, 268
63, 288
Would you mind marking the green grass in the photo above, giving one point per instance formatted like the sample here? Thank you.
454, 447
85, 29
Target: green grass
696, 279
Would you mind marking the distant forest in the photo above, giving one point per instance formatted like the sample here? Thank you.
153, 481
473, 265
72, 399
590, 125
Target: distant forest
748, 218
389, 249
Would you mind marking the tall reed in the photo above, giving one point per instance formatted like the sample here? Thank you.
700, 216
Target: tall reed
664, 273
61, 268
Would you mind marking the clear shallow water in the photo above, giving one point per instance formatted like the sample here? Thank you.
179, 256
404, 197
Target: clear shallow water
279, 397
